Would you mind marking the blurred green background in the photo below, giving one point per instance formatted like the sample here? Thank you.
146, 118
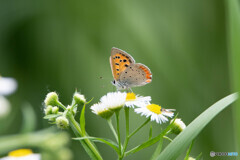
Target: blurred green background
65, 45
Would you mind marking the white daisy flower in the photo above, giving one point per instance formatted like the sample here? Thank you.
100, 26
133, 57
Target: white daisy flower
134, 100
101, 110
114, 100
156, 112
7, 85
22, 154
178, 126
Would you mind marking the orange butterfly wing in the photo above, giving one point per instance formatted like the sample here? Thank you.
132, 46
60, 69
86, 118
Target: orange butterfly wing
119, 61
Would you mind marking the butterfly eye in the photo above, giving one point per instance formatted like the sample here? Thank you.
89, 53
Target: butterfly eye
113, 82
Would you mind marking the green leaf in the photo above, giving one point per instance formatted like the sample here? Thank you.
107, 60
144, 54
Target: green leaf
82, 120
90, 101
199, 156
52, 116
150, 132
183, 140
233, 33
151, 141
83, 143
189, 151
102, 140
158, 149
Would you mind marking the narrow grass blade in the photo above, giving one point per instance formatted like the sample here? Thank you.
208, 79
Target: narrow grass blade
233, 31
189, 151
183, 140
199, 156
82, 120
150, 132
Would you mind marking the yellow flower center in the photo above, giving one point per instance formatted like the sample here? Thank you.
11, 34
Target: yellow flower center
154, 108
20, 153
130, 96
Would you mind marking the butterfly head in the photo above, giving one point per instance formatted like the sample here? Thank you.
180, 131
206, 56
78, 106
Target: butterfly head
119, 85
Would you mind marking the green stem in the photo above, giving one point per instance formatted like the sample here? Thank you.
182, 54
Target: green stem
127, 130
89, 144
139, 128
61, 105
112, 128
189, 150
118, 132
158, 149
166, 137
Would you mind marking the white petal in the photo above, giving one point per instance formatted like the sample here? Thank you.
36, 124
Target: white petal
114, 99
7, 85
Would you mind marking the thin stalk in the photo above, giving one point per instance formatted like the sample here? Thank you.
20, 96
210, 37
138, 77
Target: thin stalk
61, 105
118, 132
87, 141
112, 128
189, 150
166, 137
158, 149
127, 130
136, 130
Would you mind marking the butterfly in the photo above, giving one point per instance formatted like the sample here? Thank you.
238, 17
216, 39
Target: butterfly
126, 72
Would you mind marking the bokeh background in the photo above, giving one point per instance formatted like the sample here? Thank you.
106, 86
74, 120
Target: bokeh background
65, 45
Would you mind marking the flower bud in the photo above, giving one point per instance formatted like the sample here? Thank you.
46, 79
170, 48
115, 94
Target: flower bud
191, 158
79, 98
55, 110
51, 99
62, 122
178, 126
48, 110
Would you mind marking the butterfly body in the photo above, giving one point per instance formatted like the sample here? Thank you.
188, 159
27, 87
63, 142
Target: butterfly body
126, 72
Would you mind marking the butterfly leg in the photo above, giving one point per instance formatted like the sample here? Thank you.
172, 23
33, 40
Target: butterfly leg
129, 90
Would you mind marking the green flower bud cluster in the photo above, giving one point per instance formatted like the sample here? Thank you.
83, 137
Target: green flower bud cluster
62, 122
51, 99
79, 98
52, 112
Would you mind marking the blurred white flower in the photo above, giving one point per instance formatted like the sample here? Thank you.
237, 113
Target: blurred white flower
5, 107
7, 85
155, 112
134, 100
22, 154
